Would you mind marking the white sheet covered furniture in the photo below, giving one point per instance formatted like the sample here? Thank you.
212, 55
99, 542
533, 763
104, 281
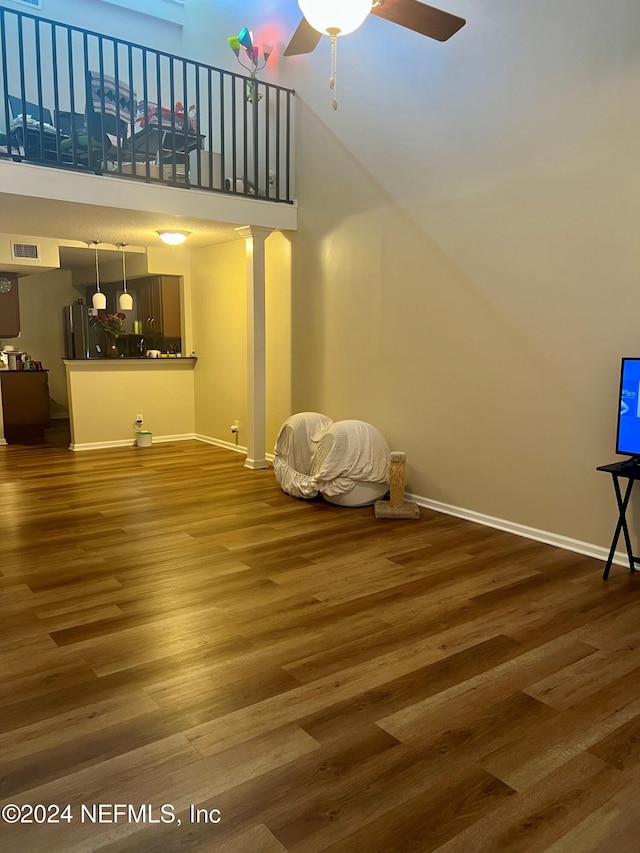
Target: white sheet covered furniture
350, 465
347, 462
293, 453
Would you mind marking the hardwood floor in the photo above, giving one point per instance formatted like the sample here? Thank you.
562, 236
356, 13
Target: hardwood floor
277, 675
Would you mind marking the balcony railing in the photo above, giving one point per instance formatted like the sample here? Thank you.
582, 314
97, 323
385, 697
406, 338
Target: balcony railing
75, 99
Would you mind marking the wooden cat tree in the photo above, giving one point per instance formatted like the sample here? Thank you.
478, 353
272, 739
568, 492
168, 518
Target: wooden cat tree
396, 506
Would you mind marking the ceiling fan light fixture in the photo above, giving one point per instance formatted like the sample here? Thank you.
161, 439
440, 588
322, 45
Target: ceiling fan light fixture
337, 16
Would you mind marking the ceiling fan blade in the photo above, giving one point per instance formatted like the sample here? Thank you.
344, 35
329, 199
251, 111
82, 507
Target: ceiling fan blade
419, 17
304, 40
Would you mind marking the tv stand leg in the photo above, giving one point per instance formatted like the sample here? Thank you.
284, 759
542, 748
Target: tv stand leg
623, 503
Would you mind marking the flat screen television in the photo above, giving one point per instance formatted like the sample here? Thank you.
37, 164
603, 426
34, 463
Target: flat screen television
628, 436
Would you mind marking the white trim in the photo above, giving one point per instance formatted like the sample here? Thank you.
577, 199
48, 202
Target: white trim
130, 442
237, 448
565, 542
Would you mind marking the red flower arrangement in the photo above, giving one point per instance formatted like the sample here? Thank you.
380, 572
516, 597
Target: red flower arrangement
110, 323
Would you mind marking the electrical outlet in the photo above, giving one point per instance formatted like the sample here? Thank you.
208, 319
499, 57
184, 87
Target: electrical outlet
235, 427
139, 419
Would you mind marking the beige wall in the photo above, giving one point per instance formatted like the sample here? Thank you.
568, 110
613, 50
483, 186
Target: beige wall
41, 299
219, 317
218, 297
471, 287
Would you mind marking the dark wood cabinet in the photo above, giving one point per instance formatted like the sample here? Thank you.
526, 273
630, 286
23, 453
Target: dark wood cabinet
159, 305
25, 404
9, 305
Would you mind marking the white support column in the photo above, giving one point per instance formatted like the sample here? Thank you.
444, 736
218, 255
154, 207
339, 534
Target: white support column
3, 440
254, 237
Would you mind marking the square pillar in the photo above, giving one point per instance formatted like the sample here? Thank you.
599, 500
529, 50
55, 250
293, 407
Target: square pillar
254, 237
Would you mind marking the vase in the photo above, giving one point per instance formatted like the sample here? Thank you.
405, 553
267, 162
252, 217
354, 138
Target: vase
111, 350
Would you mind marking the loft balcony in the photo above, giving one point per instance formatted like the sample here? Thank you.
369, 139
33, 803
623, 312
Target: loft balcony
75, 100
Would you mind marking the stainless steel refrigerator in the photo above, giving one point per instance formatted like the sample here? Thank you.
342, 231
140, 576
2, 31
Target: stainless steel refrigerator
81, 337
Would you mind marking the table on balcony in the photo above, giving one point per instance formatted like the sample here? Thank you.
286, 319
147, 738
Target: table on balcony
165, 147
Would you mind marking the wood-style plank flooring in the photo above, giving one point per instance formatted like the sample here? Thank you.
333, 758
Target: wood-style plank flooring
251, 673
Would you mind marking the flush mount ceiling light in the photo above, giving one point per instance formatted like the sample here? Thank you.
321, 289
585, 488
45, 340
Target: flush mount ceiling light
98, 300
173, 238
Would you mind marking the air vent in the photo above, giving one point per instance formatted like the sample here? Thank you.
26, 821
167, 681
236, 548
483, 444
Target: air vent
25, 250
34, 4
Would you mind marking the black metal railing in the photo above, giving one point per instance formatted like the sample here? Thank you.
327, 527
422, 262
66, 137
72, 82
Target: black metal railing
76, 99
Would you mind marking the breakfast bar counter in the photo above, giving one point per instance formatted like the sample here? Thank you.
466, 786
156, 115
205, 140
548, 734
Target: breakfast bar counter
107, 394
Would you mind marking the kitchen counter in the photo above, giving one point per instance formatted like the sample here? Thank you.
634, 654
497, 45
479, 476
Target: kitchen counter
110, 363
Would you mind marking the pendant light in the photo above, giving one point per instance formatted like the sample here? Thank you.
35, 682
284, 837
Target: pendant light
125, 299
98, 300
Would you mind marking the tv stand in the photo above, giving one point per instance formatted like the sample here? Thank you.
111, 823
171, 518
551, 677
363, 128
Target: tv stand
630, 471
632, 462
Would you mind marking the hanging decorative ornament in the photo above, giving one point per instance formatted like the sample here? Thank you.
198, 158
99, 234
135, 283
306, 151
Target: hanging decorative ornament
242, 46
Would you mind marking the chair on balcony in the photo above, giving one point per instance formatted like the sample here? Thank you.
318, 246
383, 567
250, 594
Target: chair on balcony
32, 132
105, 126
69, 123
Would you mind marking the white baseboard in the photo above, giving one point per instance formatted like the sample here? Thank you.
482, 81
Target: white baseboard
129, 442
228, 445
157, 439
555, 539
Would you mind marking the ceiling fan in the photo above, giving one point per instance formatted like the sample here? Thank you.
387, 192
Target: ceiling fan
327, 17
341, 17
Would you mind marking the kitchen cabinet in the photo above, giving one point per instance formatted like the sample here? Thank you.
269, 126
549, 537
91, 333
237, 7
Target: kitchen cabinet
159, 305
9, 305
25, 404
